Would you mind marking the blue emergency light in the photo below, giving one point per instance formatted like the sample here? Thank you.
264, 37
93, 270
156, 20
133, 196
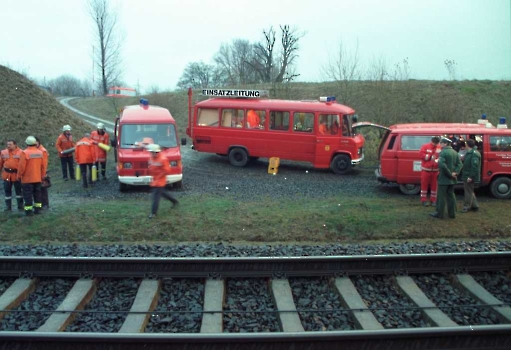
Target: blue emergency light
483, 116
502, 120
144, 102
327, 99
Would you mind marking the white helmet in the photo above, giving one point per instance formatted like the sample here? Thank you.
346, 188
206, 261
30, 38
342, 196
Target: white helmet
153, 148
66, 128
30, 141
100, 126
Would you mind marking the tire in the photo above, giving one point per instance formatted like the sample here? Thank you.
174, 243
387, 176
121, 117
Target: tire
178, 185
410, 189
501, 188
123, 187
238, 157
341, 164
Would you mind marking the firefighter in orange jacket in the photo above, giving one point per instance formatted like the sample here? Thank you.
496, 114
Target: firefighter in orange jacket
31, 171
9, 163
46, 178
159, 168
429, 153
65, 142
100, 136
253, 119
84, 153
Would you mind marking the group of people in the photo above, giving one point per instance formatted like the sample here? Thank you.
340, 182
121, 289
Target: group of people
26, 172
441, 167
87, 152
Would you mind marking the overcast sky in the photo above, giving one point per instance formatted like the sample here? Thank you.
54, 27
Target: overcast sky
49, 38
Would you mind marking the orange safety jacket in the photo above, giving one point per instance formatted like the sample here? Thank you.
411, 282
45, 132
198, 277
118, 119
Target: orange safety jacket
253, 119
9, 163
63, 143
429, 154
98, 138
32, 168
159, 168
46, 156
84, 153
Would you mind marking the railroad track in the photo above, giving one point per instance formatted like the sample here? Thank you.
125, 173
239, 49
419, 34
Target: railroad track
200, 303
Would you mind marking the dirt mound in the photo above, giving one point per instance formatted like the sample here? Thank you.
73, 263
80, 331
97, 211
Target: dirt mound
26, 109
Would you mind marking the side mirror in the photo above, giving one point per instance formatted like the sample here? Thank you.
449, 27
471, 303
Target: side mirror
113, 142
183, 141
354, 118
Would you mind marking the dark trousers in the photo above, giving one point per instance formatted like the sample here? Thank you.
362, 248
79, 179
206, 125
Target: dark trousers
83, 170
160, 192
446, 196
44, 197
8, 189
103, 168
67, 162
470, 200
32, 196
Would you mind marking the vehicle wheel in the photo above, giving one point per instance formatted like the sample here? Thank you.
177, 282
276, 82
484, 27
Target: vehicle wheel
123, 187
178, 185
238, 157
341, 164
501, 188
410, 189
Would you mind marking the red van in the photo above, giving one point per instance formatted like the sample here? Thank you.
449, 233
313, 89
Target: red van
399, 160
243, 125
136, 127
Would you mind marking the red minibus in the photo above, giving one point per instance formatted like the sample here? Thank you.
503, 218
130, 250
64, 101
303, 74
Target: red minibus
118, 91
135, 128
244, 125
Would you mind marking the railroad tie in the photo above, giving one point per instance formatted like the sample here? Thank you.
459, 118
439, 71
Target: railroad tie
81, 293
16, 293
214, 295
432, 313
351, 299
478, 292
146, 300
288, 316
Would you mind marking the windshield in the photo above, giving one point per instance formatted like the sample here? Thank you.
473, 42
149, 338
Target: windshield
346, 125
141, 135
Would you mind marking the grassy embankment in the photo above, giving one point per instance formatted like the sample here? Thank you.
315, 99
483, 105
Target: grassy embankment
334, 219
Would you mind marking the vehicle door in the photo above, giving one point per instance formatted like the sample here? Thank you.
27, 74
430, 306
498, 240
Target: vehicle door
409, 162
328, 138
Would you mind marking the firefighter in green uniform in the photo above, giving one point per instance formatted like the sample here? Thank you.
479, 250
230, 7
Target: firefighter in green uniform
471, 173
449, 166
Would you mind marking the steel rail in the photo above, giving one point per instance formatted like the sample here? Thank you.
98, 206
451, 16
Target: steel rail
463, 337
254, 266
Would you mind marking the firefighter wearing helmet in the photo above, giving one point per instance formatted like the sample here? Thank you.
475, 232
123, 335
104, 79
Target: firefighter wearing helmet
32, 169
100, 136
65, 146
159, 168
9, 164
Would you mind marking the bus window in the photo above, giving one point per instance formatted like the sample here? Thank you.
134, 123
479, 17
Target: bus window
328, 124
208, 117
279, 120
232, 118
500, 143
303, 122
255, 119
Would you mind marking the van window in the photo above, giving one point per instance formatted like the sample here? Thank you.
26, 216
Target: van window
233, 118
255, 119
328, 124
500, 143
279, 120
208, 117
303, 122
414, 143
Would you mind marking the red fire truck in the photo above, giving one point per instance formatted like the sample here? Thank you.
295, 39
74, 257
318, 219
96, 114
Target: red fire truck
136, 127
400, 162
243, 125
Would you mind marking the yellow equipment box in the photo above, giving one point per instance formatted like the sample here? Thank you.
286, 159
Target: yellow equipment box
273, 168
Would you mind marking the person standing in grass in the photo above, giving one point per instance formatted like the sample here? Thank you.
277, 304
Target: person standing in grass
449, 166
65, 142
9, 163
100, 136
158, 168
429, 153
31, 171
470, 174
46, 180
84, 153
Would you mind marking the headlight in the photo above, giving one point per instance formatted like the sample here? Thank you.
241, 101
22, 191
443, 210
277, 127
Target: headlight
127, 165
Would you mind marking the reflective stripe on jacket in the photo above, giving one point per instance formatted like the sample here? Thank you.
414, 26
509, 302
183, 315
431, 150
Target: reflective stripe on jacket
9, 163
159, 168
32, 168
63, 143
84, 153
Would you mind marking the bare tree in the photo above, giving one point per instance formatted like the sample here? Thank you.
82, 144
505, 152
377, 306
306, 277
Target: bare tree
289, 40
401, 71
263, 56
107, 56
197, 75
344, 68
450, 65
66, 85
235, 62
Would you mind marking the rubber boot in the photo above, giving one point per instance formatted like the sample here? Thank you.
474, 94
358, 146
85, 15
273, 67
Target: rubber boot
28, 212
37, 211
20, 203
8, 205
